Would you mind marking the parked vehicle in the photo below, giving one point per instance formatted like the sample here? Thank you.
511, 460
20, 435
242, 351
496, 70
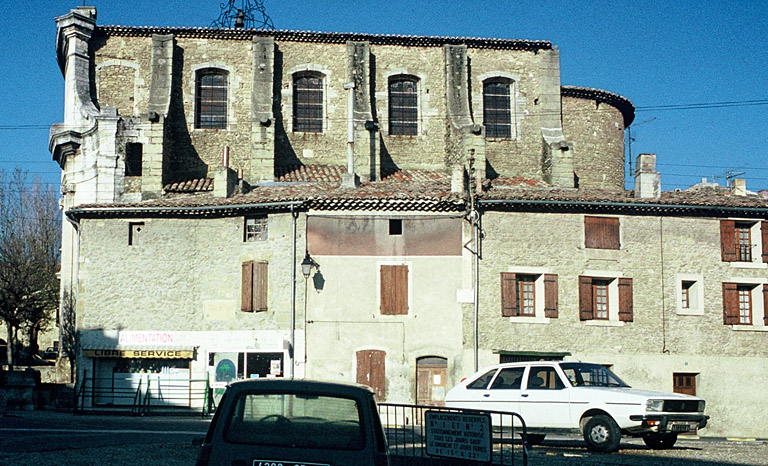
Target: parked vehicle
559, 396
295, 422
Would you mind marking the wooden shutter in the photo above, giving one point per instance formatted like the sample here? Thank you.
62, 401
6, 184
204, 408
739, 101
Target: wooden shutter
246, 282
260, 286
765, 305
586, 311
730, 303
550, 296
626, 313
394, 289
764, 237
371, 371
728, 240
601, 232
509, 306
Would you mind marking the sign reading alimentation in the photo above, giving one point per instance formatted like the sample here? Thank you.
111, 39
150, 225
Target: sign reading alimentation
458, 435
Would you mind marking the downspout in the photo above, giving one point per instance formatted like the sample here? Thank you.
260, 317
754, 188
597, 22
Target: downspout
291, 352
664, 349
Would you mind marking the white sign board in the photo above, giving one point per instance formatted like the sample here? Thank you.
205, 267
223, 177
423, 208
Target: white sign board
458, 435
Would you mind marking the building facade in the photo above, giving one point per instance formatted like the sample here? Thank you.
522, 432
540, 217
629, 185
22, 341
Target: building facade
391, 210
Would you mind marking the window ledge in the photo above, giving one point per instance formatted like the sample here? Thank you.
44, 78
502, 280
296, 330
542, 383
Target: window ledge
691, 312
749, 265
749, 328
529, 320
604, 323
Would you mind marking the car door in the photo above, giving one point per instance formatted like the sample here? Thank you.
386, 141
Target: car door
544, 400
504, 392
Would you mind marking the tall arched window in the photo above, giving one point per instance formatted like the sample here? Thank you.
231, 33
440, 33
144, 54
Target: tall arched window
211, 99
497, 109
403, 106
308, 103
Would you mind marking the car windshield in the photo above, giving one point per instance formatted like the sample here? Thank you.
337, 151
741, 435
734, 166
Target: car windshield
584, 374
296, 421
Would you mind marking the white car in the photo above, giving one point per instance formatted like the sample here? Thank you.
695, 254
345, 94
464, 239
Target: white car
558, 396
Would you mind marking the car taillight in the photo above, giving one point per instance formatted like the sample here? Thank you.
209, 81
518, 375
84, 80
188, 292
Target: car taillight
381, 460
204, 456
463, 379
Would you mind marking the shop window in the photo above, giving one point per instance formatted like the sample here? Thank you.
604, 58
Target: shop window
256, 228
308, 103
371, 371
605, 299
684, 383
497, 109
211, 99
529, 295
601, 232
403, 105
255, 286
393, 288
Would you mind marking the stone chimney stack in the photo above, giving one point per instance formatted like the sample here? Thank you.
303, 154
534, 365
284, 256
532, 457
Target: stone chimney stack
647, 179
739, 187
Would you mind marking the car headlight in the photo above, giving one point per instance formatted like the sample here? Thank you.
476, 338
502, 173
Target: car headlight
654, 405
701, 406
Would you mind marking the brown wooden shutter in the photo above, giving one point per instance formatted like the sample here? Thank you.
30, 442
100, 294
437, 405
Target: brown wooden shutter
586, 311
550, 296
601, 232
371, 371
728, 240
246, 284
260, 286
730, 303
765, 305
626, 312
764, 237
394, 289
509, 306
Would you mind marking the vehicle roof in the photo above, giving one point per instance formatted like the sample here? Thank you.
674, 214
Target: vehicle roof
301, 386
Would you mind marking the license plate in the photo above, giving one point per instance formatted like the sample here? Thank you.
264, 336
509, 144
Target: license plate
286, 463
683, 427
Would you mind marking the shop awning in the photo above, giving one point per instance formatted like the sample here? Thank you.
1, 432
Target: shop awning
141, 353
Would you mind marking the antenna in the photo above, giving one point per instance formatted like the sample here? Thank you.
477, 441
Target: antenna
251, 14
630, 139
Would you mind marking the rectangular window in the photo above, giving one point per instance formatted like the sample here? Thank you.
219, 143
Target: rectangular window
403, 106
743, 242
608, 299
371, 371
308, 104
684, 383
740, 241
600, 297
527, 295
519, 293
134, 233
255, 286
497, 116
256, 228
394, 289
133, 157
601, 232
685, 294
395, 227
745, 304
211, 99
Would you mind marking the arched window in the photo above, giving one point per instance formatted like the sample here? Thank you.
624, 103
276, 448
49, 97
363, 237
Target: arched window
403, 106
497, 109
308, 103
211, 99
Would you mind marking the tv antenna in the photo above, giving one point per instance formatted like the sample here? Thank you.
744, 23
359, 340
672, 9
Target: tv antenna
249, 15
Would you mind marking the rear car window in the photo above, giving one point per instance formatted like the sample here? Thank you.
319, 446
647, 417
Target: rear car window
295, 420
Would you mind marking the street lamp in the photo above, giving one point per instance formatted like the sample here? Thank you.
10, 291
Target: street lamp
306, 269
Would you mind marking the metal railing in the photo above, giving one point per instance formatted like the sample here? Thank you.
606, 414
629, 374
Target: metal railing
144, 394
407, 438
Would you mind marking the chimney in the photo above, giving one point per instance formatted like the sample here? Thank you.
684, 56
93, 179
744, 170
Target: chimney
647, 179
739, 187
763, 193
457, 180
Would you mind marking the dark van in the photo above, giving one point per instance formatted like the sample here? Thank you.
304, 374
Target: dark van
269, 422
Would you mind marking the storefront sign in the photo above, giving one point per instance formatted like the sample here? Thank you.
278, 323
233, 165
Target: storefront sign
137, 354
146, 338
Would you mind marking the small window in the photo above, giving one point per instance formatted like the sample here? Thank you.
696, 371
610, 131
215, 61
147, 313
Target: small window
211, 99
255, 286
605, 299
134, 233
133, 157
394, 289
601, 232
743, 240
521, 295
497, 110
685, 294
684, 383
745, 304
308, 103
403, 106
527, 294
395, 227
600, 298
256, 228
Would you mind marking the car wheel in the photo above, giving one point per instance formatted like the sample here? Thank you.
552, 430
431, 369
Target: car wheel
535, 439
602, 434
660, 441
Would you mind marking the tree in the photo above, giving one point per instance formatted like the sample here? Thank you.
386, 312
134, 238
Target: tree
30, 236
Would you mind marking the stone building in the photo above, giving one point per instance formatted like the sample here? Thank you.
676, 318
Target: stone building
392, 210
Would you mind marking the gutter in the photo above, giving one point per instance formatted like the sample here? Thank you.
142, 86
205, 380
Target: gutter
72, 214
639, 206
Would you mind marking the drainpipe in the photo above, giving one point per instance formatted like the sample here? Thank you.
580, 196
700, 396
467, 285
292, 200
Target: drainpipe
350, 180
291, 354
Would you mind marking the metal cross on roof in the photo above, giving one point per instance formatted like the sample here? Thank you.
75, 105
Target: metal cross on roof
250, 15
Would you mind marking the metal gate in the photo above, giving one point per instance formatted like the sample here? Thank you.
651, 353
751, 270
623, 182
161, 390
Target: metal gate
406, 432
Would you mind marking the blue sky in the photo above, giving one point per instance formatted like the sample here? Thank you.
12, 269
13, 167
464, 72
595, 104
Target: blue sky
654, 53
